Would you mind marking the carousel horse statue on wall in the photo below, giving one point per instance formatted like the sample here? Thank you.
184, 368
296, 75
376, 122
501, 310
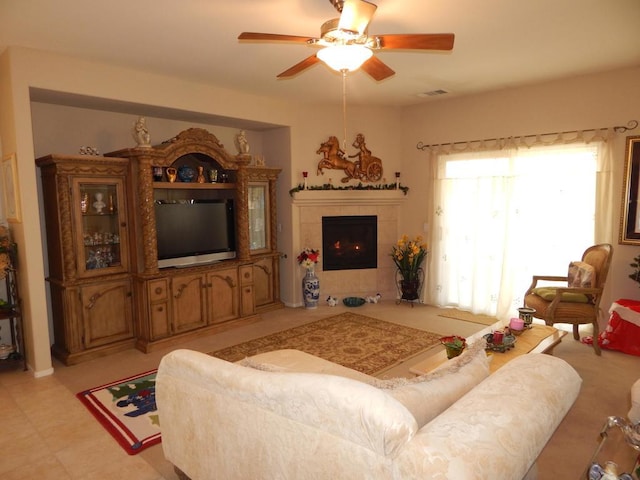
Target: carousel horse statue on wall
367, 168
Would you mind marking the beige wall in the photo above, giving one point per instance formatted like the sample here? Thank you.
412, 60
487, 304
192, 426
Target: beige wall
291, 146
593, 101
586, 102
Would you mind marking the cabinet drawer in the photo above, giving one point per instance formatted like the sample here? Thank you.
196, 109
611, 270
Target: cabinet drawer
158, 290
246, 275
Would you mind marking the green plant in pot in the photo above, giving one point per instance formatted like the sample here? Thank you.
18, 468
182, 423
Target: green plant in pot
454, 345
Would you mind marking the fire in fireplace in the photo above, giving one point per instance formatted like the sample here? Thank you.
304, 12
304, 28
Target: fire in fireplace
349, 242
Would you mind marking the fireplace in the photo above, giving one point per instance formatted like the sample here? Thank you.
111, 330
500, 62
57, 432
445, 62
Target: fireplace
349, 242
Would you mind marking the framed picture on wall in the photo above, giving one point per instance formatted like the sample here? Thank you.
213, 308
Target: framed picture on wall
11, 196
630, 217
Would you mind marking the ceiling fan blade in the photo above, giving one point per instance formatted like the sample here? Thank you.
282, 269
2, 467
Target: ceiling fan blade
299, 67
274, 37
356, 15
417, 41
377, 69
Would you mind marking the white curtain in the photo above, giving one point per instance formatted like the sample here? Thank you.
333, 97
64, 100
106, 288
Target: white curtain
501, 216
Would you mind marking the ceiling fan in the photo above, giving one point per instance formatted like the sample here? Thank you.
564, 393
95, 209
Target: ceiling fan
347, 46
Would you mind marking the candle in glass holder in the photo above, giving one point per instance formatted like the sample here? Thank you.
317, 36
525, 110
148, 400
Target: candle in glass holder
304, 175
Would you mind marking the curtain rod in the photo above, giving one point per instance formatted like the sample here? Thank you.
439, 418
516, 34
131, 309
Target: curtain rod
631, 124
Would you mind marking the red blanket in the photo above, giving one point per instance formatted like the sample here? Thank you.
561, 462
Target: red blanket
623, 330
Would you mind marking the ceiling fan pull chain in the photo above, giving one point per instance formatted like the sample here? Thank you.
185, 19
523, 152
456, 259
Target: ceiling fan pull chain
344, 110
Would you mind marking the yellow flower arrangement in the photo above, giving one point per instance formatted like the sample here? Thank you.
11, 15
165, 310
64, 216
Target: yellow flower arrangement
408, 256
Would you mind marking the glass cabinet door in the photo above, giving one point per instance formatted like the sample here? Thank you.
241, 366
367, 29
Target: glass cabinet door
100, 226
259, 216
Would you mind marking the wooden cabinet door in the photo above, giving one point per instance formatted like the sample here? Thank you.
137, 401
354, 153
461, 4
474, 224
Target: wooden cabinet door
263, 281
223, 295
159, 317
107, 312
189, 302
100, 223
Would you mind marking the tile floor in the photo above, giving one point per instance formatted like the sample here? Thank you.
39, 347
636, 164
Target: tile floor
48, 434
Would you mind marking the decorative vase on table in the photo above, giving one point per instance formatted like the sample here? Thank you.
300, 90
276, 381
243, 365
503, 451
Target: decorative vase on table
310, 289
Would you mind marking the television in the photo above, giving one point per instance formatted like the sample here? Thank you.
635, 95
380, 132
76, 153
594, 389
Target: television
194, 231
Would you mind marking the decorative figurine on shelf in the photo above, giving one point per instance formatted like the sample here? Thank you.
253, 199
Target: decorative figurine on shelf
99, 203
243, 144
172, 174
332, 301
200, 178
141, 133
84, 203
89, 151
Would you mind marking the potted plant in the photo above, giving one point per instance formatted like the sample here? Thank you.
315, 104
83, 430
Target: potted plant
454, 345
408, 256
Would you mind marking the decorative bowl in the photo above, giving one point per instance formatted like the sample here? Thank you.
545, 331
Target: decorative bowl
353, 301
186, 174
508, 342
517, 332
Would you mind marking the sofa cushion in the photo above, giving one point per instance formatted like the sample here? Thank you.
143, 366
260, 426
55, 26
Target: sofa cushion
549, 293
427, 396
291, 360
581, 275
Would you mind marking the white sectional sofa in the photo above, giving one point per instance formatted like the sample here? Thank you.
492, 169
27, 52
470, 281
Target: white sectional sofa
290, 415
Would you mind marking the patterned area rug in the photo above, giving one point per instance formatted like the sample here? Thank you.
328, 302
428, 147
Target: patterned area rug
362, 343
467, 316
127, 409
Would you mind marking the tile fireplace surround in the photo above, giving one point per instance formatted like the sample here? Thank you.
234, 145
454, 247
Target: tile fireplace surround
309, 206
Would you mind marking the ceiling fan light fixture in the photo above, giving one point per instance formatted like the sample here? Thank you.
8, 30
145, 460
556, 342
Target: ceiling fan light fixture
345, 57
356, 15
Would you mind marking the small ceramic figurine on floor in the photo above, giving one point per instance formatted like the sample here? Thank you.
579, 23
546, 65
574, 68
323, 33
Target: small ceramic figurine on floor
332, 301
374, 299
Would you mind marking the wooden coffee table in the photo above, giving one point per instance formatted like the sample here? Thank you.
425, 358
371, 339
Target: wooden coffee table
545, 345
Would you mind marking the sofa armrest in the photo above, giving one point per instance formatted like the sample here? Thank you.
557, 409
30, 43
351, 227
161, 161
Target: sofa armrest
500, 427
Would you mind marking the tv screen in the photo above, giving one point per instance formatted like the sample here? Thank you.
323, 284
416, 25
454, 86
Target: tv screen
194, 231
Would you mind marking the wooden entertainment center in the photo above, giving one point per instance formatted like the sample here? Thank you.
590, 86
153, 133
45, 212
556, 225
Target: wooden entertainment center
107, 290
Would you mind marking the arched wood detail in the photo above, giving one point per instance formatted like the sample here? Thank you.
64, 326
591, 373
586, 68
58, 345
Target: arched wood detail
195, 140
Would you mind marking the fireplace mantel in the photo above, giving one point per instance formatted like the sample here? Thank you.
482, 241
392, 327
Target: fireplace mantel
348, 197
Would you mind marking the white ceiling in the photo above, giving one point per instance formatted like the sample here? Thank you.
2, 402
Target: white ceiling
499, 43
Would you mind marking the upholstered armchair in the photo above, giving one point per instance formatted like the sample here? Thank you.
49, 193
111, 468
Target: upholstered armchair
577, 302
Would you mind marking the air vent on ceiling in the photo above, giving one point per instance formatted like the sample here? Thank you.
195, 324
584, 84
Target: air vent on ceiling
433, 93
